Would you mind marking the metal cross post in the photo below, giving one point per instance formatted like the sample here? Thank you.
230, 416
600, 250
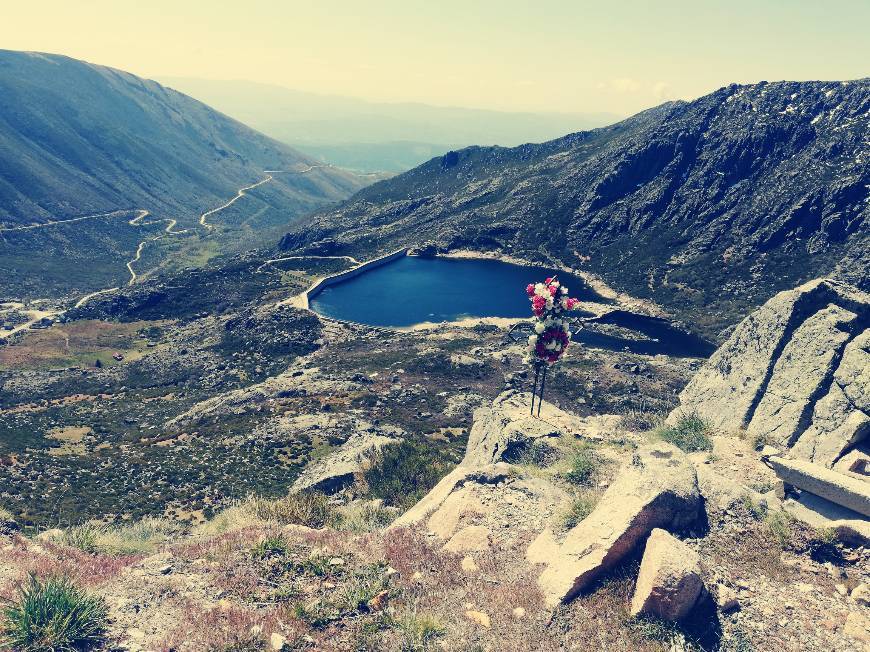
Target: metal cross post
539, 366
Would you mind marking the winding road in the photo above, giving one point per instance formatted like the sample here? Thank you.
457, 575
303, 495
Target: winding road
141, 214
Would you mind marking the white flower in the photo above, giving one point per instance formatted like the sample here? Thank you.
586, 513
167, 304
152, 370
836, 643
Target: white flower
539, 328
533, 340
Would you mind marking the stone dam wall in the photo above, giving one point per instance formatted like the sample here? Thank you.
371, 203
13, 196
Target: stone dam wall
326, 281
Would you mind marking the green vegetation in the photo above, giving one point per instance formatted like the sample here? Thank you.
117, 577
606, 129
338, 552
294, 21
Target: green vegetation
308, 508
402, 474
269, 547
585, 467
140, 537
666, 633
419, 630
781, 527
691, 433
580, 509
53, 615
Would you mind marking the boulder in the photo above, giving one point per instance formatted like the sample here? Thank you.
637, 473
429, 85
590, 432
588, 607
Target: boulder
658, 489
503, 430
802, 370
337, 470
473, 509
669, 581
485, 490
794, 373
474, 538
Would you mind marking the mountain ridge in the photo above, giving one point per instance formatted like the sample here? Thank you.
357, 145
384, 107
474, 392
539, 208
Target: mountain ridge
714, 203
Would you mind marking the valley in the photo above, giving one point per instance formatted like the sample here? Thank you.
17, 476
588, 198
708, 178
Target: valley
252, 401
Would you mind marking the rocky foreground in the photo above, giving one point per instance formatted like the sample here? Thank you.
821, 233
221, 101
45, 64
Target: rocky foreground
739, 524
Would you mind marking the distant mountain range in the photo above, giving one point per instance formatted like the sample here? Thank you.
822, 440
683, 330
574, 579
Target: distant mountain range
709, 206
376, 136
77, 139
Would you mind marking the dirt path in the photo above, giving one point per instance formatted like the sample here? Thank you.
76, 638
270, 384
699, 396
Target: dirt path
351, 259
30, 227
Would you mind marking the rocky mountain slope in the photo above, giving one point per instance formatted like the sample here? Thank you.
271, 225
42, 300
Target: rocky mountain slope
709, 206
78, 140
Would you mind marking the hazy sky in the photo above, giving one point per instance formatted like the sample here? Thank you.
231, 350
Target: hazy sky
568, 55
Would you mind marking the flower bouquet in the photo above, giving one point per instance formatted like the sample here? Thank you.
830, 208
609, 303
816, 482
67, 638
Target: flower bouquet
552, 334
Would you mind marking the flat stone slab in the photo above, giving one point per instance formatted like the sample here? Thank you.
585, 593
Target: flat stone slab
848, 491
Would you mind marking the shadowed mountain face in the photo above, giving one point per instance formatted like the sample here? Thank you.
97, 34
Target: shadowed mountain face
709, 206
78, 139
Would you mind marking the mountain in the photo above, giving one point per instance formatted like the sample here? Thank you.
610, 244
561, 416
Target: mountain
77, 139
375, 136
709, 207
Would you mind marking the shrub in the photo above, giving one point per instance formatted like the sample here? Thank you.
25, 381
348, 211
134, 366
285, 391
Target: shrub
53, 615
691, 433
585, 466
402, 474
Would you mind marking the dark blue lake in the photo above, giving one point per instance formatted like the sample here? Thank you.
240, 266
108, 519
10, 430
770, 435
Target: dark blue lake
413, 290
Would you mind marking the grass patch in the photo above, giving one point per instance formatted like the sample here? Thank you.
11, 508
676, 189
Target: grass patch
691, 433
310, 509
585, 467
402, 474
53, 615
663, 632
362, 517
580, 508
418, 630
781, 527
141, 537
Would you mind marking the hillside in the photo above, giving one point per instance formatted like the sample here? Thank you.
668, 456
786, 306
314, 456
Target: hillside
77, 139
708, 207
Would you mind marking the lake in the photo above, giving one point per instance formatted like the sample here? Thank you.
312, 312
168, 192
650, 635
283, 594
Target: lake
414, 290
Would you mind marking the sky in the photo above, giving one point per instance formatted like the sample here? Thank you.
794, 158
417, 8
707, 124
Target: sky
616, 56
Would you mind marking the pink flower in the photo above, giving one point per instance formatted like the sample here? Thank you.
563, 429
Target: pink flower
530, 289
548, 280
553, 290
